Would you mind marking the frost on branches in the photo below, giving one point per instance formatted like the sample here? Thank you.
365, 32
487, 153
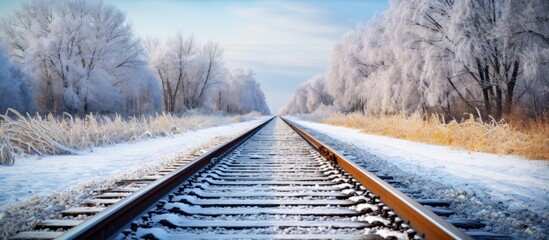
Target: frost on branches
14, 86
82, 57
448, 57
239, 93
309, 97
192, 75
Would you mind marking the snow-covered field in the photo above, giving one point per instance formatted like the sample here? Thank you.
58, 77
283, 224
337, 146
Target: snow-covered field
510, 194
32, 176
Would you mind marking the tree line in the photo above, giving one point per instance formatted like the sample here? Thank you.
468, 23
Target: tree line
80, 56
439, 56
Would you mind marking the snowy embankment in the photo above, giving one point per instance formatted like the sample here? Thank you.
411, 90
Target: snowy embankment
34, 176
510, 194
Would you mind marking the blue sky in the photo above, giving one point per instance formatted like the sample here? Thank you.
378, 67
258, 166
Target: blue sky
283, 42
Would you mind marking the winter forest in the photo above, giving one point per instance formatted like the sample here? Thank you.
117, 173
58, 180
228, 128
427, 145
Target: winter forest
447, 57
80, 57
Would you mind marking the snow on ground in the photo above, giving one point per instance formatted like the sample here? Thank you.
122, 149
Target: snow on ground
508, 193
23, 215
30, 177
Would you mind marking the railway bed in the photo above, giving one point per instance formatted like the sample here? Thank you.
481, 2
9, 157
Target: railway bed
274, 182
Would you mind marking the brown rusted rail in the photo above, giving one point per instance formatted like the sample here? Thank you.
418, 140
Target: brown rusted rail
107, 223
425, 222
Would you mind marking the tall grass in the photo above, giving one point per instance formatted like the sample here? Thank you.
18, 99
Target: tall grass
51, 135
527, 138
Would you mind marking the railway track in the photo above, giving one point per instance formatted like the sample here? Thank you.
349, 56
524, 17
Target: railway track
267, 183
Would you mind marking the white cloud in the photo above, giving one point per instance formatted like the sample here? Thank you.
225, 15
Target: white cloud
281, 33
289, 17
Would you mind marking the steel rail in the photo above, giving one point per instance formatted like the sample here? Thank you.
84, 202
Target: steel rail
425, 222
109, 222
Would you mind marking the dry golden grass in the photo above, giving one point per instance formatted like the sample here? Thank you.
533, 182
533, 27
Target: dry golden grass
51, 135
527, 138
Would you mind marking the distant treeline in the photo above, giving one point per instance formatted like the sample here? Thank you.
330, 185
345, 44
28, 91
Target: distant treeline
78, 56
432, 56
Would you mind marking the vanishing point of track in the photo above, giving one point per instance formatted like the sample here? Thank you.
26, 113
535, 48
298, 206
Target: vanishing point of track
275, 181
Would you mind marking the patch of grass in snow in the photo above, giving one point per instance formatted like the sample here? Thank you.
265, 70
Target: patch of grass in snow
66, 134
527, 138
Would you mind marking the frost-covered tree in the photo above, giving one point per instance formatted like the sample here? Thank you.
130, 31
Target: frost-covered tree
443, 56
347, 71
238, 93
185, 69
14, 86
84, 56
170, 62
376, 67
483, 47
308, 97
212, 60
